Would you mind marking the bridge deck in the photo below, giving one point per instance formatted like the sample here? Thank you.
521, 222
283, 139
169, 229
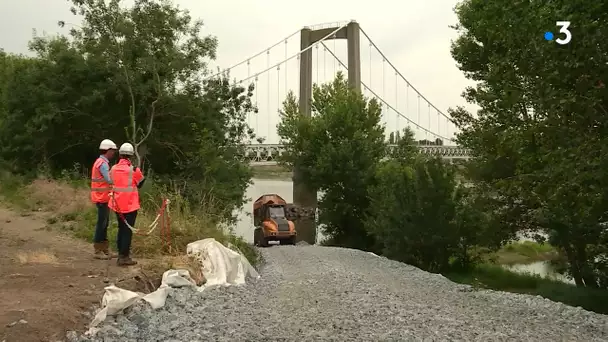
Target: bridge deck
267, 154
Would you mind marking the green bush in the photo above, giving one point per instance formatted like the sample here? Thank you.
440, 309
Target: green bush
337, 150
421, 215
523, 252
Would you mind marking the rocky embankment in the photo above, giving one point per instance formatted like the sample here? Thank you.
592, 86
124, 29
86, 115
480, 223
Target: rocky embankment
310, 293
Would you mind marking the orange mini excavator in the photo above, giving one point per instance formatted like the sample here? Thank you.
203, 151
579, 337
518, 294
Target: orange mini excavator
271, 221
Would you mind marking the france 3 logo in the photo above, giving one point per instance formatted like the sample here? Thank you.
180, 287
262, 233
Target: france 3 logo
563, 30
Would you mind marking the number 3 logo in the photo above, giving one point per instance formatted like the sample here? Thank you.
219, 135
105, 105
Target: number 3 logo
563, 28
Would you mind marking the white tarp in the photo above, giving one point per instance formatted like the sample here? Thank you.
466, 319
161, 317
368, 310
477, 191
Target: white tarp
220, 266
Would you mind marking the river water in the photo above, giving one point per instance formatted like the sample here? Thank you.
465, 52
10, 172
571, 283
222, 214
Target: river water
284, 188
542, 268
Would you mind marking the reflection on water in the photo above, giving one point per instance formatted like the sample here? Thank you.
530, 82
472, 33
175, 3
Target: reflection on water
542, 268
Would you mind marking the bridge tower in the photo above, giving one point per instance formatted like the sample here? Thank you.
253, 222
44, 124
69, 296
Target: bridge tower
304, 195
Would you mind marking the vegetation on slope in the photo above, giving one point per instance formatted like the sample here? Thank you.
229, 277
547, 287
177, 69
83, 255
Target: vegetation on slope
495, 277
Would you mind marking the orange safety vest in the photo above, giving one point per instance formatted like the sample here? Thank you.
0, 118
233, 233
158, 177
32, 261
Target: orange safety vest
100, 189
125, 179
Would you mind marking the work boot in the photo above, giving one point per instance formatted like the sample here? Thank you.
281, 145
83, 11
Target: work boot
125, 261
106, 250
99, 251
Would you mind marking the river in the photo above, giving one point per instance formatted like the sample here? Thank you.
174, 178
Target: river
284, 188
542, 268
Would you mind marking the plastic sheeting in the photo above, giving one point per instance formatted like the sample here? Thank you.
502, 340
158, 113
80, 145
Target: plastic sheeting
221, 266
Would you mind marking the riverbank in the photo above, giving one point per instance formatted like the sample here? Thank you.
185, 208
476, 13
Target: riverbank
356, 296
46, 253
495, 277
494, 274
275, 172
523, 252
490, 275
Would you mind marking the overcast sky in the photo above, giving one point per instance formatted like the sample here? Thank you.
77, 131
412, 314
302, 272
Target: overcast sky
413, 34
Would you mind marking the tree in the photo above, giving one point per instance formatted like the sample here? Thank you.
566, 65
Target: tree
406, 150
539, 140
338, 149
420, 214
152, 48
134, 73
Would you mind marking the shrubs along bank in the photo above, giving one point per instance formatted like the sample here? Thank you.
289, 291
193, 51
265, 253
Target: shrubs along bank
496, 277
524, 252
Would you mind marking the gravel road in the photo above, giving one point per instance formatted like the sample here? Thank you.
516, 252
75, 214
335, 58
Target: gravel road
310, 293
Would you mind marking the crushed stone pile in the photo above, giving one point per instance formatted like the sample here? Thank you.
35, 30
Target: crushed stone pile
311, 293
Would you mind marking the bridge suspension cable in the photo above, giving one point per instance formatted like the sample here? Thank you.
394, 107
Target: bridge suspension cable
261, 63
297, 54
246, 60
385, 102
267, 50
272, 89
401, 75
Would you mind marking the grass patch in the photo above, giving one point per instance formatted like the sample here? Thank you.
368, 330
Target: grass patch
524, 252
71, 211
12, 187
38, 257
272, 172
495, 277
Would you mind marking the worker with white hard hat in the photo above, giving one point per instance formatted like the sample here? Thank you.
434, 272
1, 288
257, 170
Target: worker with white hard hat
100, 195
125, 200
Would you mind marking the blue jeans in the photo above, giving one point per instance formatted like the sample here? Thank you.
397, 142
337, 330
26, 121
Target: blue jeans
123, 239
103, 221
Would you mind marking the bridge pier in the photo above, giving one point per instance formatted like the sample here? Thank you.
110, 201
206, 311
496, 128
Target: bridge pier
353, 46
304, 195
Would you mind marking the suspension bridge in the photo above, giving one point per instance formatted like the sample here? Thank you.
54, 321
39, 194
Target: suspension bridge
285, 66
294, 65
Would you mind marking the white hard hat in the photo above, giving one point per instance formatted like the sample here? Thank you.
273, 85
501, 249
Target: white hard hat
126, 149
107, 144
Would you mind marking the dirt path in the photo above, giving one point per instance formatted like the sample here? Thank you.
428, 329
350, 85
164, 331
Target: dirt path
48, 282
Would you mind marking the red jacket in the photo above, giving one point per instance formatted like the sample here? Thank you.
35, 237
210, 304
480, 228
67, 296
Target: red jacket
125, 195
100, 189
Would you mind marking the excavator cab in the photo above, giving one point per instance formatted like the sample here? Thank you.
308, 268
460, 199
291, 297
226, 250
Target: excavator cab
271, 221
